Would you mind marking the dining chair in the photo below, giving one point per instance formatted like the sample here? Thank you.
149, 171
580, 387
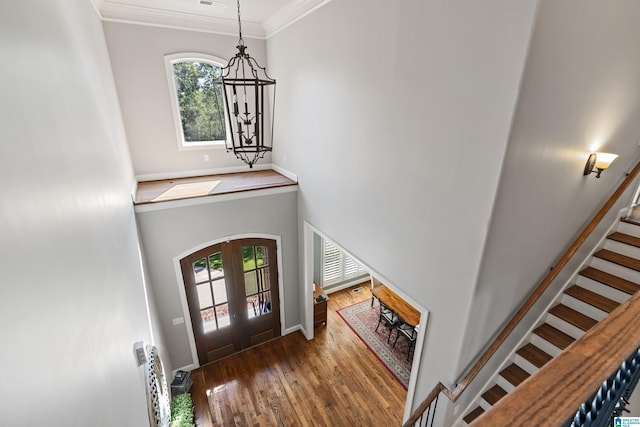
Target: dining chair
409, 332
389, 317
374, 282
373, 299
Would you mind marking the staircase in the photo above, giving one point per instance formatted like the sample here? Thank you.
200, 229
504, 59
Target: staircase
611, 277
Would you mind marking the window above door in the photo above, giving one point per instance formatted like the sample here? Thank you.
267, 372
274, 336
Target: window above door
196, 102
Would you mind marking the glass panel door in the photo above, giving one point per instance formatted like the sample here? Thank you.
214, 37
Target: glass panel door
257, 282
232, 295
209, 286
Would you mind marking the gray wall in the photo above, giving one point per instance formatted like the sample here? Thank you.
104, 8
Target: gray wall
579, 94
396, 116
137, 57
171, 232
72, 300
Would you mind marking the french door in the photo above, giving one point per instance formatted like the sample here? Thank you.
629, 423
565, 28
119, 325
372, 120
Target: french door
232, 293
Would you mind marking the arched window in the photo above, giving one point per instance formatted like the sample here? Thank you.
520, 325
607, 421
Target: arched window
197, 103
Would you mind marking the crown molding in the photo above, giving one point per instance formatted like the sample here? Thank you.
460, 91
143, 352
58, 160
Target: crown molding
118, 12
290, 14
97, 4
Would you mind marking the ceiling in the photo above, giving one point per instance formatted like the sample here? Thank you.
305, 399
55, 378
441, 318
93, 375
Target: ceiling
260, 18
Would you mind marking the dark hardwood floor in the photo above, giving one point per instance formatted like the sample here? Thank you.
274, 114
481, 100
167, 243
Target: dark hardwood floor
333, 380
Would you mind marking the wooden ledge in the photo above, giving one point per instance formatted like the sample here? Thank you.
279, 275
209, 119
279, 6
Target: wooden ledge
166, 190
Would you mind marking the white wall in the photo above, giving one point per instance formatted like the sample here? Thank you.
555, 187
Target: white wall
72, 302
579, 94
395, 116
169, 233
137, 55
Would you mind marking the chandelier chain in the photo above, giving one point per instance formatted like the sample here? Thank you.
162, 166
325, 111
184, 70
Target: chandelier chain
241, 41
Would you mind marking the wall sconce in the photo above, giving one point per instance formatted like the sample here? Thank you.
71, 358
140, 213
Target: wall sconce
600, 161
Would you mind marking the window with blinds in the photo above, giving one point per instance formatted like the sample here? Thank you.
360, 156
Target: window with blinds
337, 266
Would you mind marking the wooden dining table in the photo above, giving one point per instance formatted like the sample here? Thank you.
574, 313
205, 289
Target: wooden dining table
407, 313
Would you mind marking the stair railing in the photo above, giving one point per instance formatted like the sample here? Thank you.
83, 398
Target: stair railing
553, 394
611, 399
417, 418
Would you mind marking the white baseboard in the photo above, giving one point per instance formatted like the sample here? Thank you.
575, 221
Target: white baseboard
200, 172
292, 329
346, 285
282, 171
215, 171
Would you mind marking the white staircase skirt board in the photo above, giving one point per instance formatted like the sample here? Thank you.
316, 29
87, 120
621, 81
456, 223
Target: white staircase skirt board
584, 308
622, 248
545, 346
615, 269
574, 303
602, 289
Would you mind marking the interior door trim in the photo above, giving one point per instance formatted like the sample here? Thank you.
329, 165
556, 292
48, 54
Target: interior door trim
183, 295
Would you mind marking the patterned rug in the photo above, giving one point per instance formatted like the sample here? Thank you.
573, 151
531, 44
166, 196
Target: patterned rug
362, 318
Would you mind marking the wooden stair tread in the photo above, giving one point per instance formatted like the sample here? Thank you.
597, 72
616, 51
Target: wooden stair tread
619, 259
573, 317
625, 238
630, 220
514, 374
494, 394
610, 280
473, 415
592, 298
554, 336
534, 355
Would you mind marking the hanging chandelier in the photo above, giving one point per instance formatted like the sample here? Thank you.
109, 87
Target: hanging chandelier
244, 84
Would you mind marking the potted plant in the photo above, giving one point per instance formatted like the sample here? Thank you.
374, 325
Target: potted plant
182, 411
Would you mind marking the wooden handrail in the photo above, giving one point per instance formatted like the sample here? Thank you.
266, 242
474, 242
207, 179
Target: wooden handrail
454, 394
556, 391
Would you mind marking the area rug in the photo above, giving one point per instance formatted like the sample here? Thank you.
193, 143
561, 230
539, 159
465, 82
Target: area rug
362, 319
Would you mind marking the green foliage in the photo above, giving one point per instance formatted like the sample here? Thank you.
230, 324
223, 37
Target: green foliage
182, 411
215, 262
200, 101
249, 257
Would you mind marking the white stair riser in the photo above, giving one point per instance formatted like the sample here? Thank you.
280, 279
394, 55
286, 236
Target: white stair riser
631, 229
545, 346
484, 404
615, 269
578, 305
622, 248
602, 289
525, 364
565, 327
506, 385
583, 307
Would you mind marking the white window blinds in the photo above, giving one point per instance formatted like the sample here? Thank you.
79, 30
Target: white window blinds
337, 266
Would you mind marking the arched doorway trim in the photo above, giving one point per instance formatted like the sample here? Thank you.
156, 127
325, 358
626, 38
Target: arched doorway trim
183, 296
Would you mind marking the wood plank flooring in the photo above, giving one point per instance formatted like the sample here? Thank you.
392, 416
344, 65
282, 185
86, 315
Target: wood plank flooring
333, 380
